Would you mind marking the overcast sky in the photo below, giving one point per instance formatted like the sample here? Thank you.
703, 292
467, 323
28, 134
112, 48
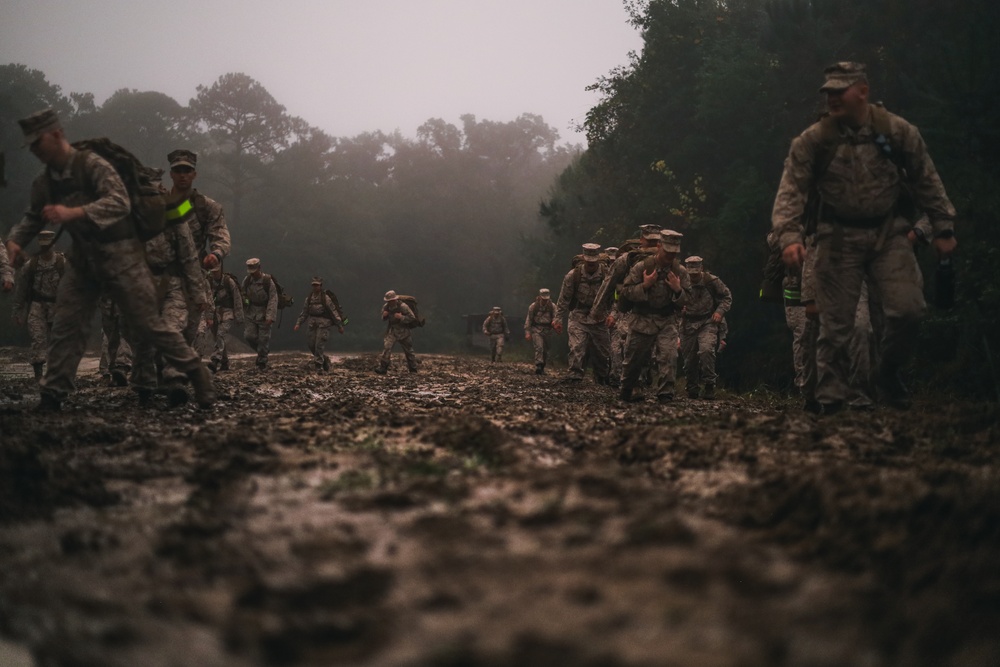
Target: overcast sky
346, 66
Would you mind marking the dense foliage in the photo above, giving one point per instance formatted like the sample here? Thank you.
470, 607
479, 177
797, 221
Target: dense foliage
692, 135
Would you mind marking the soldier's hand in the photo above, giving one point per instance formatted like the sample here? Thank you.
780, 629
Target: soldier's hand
210, 262
268, 322
794, 255
8, 285
609, 321
716, 317
527, 336
557, 327
945, 247
649, 278
674, 281
722, 345
812, 310
340, 329
295, 328
398, 316
14, 254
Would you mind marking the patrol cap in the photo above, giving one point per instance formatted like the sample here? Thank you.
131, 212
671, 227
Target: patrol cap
611, 250
495, 309
841, 76
649, 232
316, 280
37, 124
182, 158
544, 293
390, 296
671, 240
591, 252
46, 238
693, 262
253, 264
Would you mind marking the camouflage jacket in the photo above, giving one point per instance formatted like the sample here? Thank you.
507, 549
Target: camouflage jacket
321, 306
39, 281
708, 296
173, 253
660, 298
260, 298
6, 270
495, 325
398, 328
579, 292
104, 242
540, 316
614, 279
226, 295
209, 225
861, 182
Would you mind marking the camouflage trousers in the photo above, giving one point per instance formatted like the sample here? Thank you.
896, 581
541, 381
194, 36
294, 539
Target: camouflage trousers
116, 354
258, 336
496, 346
225, 318
588, 343
174, 312
41, 314
133, 291
616, 353
845, 257
405, 341
540, 339
654, 335
802, 351
699, 344
319, 332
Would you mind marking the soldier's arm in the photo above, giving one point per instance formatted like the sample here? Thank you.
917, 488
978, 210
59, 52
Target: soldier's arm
333, 311
527, 318
272, 301
22, 289
237, 299
217, 230
605, 293
506, 329
407, 314
566, 293
723, 296
684, 298
6, 270
793, 191
304, 314
485, 322
112, 202
927, 189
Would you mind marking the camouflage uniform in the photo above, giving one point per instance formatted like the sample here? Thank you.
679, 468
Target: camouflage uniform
655, 327
6, 270
538, 325
397, 332
700, 333
260, 301
495, 326
860, 232
116, 353
588, 334
179, 280
319, 313
228, 310
35, 301
106, 256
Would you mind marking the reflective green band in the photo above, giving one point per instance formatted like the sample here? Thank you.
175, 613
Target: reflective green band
793, 294
180, 210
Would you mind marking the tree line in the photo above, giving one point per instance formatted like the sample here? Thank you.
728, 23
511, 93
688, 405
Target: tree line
446, 216
692, 134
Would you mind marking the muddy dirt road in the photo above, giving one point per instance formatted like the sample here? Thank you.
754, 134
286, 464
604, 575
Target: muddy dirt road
478, 515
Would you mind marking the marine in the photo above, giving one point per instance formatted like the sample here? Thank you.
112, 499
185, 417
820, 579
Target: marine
538, 327
228, 304
260, 309
589, 337
319, 313
35, 297
399, 318
495, 326
710, 300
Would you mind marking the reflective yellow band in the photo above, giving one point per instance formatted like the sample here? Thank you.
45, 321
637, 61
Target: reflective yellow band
180, 210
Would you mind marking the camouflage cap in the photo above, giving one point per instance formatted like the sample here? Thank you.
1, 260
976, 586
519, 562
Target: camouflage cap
495, 309
37, 124
841, 76
182, 158
390, 296
649, 232
46, 237
253, 264
316, 281
693, 261
591, 252
671, 240
611, 250
544, 293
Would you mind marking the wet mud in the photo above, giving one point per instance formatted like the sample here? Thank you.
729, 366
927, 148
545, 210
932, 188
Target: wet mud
475, 514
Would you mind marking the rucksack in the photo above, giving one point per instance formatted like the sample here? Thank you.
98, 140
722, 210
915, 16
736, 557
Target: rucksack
411, 301
336, 306
284, 299
146, 194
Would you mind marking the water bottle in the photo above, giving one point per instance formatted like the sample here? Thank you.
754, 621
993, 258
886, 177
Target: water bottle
944, 284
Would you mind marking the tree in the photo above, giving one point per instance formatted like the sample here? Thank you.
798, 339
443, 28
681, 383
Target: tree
246, 128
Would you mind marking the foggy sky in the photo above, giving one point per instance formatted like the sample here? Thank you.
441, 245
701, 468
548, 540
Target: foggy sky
346, 66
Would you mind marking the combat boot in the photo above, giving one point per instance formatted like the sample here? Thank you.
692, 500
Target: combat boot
665, 398
49, 403
145, 397
326, 363
118, 378
539, 369
177, 393
213, 366
626, 394
38, 367
381, 369
204, 390
709, 393
692, 391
